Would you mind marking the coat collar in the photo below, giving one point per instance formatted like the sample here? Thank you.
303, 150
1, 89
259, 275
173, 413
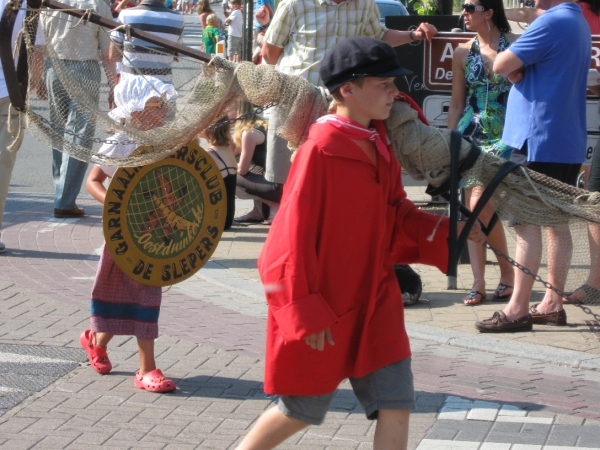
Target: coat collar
344, 147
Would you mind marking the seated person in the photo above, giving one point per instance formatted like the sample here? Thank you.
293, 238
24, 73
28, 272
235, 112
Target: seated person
221, 151
250, 137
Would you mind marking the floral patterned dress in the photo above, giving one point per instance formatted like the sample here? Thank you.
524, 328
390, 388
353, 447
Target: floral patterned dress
483, 118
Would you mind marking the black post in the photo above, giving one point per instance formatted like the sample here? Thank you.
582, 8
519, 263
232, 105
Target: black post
248, 30
454, 202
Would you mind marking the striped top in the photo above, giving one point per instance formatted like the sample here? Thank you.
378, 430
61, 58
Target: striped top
307, 29
141, 57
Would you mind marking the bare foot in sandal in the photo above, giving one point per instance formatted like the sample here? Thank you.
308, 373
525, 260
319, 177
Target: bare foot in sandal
502, 292
474, 298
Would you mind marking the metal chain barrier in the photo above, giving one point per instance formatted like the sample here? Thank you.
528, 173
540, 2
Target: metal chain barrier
547, 285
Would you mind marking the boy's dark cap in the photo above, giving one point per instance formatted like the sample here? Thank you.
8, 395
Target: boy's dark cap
359, 57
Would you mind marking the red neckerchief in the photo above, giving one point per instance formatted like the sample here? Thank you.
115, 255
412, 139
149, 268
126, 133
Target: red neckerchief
355, 130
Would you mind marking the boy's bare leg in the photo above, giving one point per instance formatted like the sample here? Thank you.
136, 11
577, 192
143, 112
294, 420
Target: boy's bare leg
271, 429
392, 429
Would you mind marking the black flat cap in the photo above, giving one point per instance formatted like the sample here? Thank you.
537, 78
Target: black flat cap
359, 57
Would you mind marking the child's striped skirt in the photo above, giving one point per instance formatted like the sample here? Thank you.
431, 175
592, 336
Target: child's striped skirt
121, 305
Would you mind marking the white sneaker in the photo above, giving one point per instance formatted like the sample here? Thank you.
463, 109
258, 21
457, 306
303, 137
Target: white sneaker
2, 247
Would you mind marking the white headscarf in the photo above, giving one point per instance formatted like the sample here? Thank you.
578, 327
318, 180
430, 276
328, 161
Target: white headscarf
133, 91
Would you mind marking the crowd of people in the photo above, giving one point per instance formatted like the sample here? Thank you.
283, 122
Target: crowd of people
503, 96
335, 307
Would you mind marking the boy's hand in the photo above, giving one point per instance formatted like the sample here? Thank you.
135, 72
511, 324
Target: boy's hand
476, 235
317, 340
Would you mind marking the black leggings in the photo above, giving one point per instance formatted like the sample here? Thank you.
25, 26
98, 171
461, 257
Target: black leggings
257, 186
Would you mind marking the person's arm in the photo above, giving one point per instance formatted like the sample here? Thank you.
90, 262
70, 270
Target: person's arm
250, 139
525, 15
121, 6
508, 64
271, 53
396, 37
110, 69
278, 33
114, 52
95, 183
459, 87
292, 289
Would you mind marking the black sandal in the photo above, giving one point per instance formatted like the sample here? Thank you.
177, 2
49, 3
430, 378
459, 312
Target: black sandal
472, 296
499, 294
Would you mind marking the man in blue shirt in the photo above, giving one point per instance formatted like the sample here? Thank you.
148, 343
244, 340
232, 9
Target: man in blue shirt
545, 121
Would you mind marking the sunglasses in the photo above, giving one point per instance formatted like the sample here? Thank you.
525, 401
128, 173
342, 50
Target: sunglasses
470, 8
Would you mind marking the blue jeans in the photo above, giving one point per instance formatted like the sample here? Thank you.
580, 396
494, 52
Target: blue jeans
68, 172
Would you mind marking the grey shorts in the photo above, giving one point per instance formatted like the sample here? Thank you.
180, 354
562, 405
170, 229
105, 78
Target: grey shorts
279, 156
234, 45
390, 387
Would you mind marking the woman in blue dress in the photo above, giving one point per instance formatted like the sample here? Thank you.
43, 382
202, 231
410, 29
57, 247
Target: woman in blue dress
477, 110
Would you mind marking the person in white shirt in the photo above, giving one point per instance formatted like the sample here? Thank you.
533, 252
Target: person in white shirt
234, 24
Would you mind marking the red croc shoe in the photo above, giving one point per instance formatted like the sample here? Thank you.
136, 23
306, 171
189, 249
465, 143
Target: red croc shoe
96, 355
154, 381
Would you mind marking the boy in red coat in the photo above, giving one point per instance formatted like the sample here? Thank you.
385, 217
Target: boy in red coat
335, 308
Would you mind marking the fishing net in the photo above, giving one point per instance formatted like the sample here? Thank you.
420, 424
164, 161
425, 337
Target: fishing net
524, 197
207, 91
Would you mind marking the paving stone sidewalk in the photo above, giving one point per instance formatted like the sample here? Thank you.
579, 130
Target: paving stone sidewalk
472, 395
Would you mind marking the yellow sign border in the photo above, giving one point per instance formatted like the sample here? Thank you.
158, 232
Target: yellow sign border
153, 271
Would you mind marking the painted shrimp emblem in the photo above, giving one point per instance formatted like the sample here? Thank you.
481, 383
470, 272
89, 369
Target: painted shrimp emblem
165, 207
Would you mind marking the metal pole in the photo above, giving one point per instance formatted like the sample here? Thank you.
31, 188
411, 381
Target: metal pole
248, 30
454, 201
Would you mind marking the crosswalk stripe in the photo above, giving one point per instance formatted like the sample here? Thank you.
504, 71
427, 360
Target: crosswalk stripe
29, 359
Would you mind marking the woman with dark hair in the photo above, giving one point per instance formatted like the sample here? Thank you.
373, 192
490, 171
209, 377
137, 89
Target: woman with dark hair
477, 110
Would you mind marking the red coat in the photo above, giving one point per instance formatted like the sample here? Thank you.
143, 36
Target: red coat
327, 262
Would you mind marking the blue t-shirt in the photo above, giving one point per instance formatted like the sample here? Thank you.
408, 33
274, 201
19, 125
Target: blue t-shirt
260, 3
547, 108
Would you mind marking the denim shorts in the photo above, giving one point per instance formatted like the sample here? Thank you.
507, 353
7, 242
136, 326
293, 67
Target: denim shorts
390, 387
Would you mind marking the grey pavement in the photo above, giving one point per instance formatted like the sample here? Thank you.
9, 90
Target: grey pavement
521, 391
472, 391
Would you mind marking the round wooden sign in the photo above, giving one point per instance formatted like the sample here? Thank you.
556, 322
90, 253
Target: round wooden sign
162, 222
